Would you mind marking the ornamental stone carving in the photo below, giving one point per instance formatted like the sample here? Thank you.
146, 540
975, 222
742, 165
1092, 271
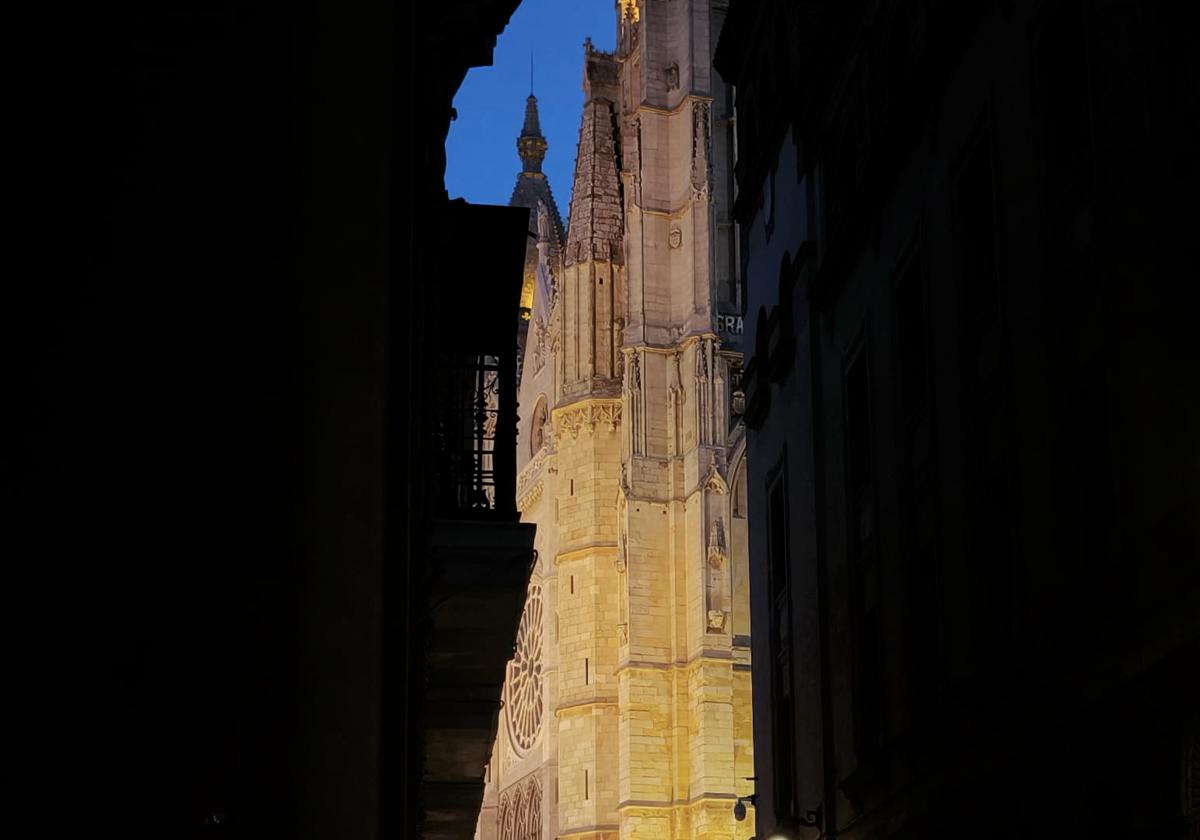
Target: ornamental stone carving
539, 343
523, 700
605, 415
532, 497
520, 811
717, 589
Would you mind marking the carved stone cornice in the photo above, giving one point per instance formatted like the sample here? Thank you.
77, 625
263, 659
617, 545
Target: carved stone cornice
533, 469
526, 500
587, 416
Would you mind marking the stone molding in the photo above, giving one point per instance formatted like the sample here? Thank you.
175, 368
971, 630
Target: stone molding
585, 706
584, 551
532, 471
672, 803
531, 498
684, 103
709, 658
587, 416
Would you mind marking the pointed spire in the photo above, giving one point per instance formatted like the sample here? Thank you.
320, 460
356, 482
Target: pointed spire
532, 184
596, 223
531, 145
533, 125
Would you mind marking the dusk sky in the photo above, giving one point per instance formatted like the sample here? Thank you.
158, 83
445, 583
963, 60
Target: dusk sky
481, 151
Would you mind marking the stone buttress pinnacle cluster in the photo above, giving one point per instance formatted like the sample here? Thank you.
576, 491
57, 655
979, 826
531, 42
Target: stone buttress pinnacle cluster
597, 216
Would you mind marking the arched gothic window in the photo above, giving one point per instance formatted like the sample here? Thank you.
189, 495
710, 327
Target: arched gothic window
520, 813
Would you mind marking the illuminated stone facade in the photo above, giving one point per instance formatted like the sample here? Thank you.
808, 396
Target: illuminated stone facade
631, 465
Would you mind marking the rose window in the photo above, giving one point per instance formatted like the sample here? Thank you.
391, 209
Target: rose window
523, 689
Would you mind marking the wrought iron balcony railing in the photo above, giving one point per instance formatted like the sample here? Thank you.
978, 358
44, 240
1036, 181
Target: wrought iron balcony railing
474, 435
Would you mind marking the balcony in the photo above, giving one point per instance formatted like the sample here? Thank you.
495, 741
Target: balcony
478, 556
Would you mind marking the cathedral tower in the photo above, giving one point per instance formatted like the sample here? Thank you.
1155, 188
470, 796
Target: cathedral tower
532, 189
627, 704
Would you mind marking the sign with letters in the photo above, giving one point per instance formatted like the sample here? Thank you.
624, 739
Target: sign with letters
729, 324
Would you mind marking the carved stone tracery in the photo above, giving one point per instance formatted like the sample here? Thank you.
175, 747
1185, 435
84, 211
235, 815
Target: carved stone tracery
520, 811
523, 688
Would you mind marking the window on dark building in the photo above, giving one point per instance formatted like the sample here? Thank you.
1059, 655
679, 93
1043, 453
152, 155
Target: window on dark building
779, 586
864, 567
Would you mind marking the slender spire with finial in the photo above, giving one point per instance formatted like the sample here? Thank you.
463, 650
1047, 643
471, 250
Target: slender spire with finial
532, 184
531, 145
531, 72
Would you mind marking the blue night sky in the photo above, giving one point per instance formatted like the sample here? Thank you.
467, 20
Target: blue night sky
481, 150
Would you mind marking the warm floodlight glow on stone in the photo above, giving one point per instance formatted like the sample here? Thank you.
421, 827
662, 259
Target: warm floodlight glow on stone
636, 694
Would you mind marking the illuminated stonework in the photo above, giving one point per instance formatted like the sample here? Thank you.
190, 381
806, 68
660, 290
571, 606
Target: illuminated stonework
523, 700
520, 811
629, 706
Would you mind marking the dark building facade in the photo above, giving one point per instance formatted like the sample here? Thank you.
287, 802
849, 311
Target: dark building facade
974, 486
264, 503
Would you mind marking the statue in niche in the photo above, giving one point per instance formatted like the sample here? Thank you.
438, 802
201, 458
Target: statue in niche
543, 222
539, 347
717, 590
633, 390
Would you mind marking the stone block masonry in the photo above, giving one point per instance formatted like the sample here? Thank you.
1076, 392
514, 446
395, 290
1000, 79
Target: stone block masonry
647, 725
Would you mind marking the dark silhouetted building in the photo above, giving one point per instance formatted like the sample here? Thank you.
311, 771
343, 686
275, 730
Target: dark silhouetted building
974, 432
260, 431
